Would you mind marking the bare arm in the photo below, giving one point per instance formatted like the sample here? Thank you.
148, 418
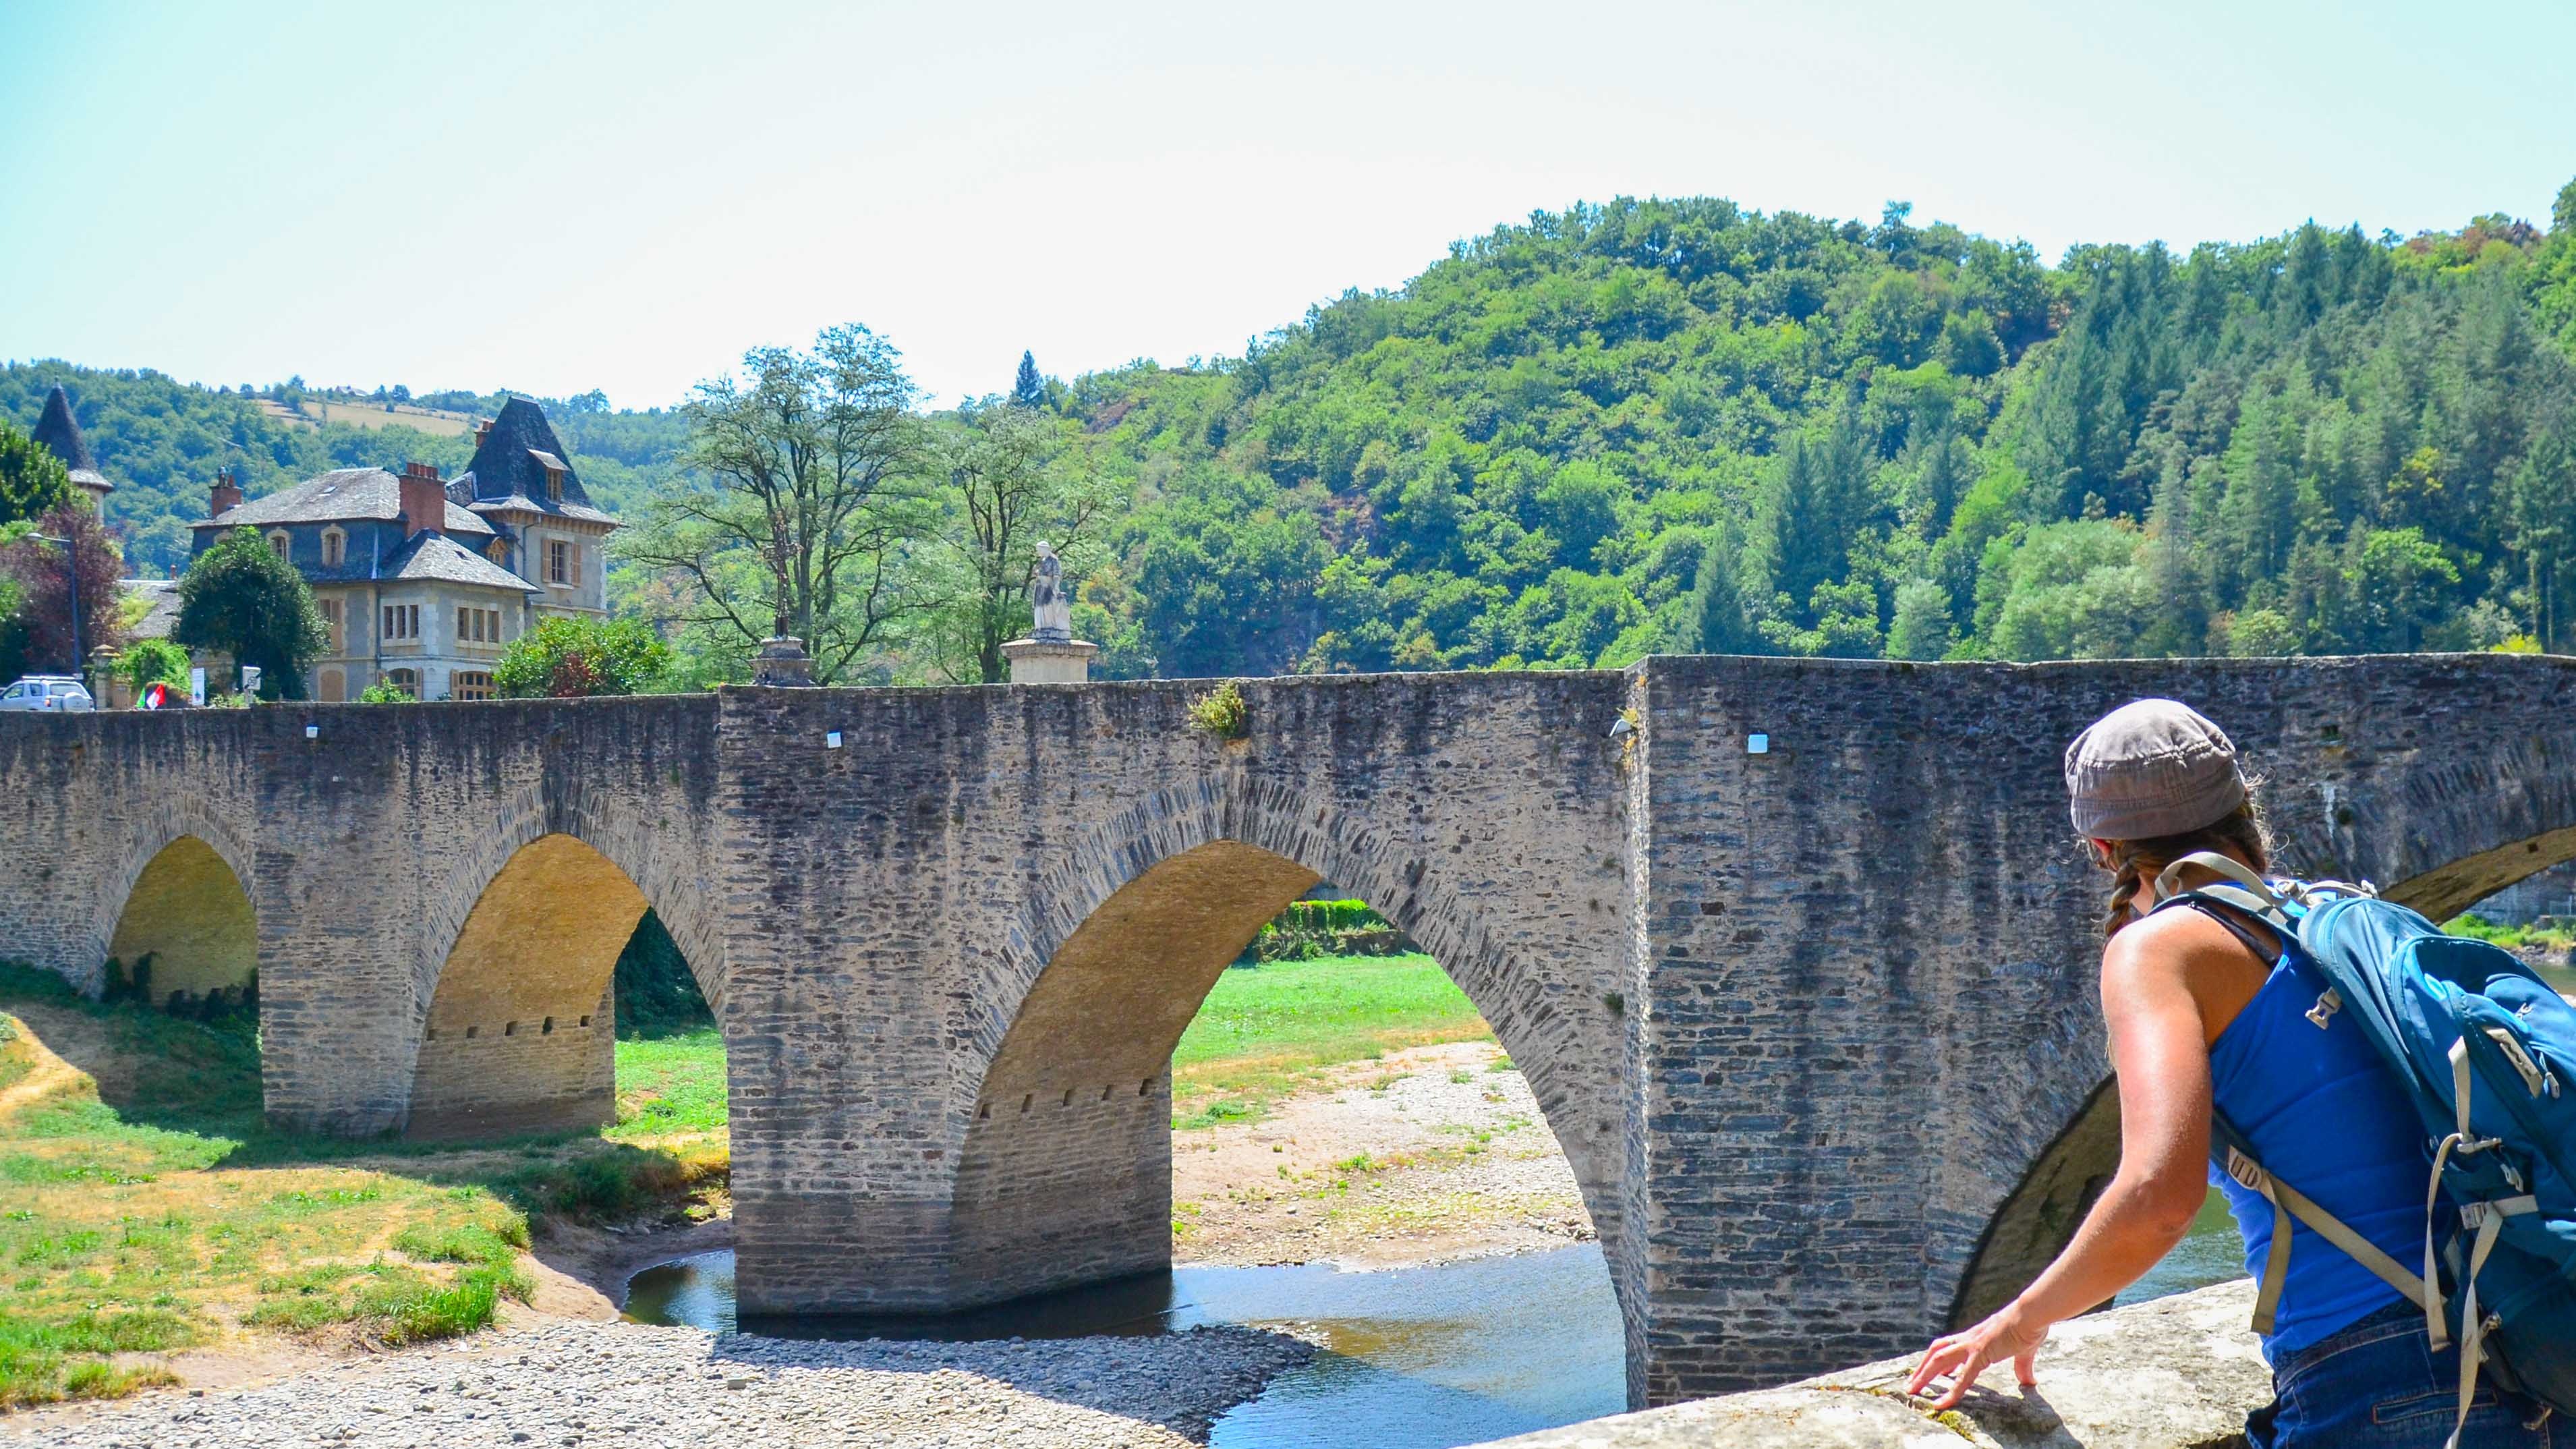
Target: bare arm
2160, 1049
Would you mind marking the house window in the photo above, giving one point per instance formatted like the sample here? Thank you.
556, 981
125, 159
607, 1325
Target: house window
406, 680
277, 544
559, 565
478, 626
401, 621
554, 484
333, 617
498, 551
334, 547
465, 684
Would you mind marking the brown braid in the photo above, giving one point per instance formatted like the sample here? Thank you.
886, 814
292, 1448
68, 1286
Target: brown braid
2135, 863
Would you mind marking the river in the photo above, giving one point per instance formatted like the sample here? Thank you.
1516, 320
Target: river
1456, 1353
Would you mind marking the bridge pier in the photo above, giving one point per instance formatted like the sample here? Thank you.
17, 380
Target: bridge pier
1814, 1023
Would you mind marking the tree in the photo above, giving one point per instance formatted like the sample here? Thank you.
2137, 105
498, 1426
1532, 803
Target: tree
567, 658
1716, 621
242, 600
32, 480
811, 509
1009, 488
1028, 390
43, 570
1921, 628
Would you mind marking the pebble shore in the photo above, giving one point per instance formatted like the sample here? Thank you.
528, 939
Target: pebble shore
625, 1385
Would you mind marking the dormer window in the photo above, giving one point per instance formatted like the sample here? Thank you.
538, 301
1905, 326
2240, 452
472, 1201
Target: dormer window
335, 547
498, 551
554, 485
277, 544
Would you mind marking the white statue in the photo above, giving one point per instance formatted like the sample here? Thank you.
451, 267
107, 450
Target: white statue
1046, 594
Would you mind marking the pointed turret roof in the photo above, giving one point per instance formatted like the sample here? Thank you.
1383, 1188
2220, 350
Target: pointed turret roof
60, 432
513, 456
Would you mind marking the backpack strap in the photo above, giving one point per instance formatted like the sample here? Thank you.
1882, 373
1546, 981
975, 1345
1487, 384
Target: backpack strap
2250, 893
2233, 1154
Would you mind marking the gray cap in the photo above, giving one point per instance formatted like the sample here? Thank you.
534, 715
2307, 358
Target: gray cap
2149, 769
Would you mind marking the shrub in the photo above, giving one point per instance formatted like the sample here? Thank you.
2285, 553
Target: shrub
384, 691
1220, 712
153, 661
571, 658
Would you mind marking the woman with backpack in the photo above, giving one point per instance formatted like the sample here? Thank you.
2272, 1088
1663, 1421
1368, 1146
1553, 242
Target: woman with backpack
2207, 1009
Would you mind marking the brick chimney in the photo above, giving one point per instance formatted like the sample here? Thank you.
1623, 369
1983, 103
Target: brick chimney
424, 499
227, 495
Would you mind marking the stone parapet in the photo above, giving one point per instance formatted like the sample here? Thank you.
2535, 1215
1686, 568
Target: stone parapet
2176, 1373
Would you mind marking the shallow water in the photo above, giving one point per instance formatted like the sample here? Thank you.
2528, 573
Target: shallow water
1426, 1357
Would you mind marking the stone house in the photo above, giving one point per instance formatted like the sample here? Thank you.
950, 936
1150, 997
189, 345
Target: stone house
424, 581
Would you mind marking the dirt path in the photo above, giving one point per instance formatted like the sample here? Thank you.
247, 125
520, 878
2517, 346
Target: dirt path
1429, 1155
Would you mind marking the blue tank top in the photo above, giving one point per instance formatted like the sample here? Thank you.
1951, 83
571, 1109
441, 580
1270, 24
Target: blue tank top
2326, 1116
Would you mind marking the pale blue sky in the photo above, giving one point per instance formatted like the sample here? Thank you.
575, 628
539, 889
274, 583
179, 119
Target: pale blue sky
553, 197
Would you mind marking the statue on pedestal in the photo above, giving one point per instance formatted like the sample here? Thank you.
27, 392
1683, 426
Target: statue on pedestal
1048, 597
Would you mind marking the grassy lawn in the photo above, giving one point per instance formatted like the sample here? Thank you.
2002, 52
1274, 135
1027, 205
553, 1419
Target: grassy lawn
145, 1205
1267, 1028
148, 1207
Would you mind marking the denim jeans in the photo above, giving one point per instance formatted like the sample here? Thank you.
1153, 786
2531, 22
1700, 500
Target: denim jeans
2379, 1383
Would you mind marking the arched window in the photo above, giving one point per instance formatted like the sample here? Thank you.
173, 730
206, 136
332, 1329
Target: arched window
335, 547
406, 680
277, 543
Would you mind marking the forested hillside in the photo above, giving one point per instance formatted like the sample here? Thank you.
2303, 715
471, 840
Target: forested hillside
1682, 425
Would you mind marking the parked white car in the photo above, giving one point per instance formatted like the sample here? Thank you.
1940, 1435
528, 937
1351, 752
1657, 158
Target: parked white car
47, 691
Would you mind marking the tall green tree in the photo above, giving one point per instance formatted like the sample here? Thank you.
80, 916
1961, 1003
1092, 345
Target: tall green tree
1011, 483
243, 600
812, 504
1716, 621
32, 480
1028, 390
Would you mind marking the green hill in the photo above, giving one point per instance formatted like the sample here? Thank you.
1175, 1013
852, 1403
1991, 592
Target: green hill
1684, 425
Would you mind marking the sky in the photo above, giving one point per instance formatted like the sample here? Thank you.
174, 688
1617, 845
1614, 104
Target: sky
557, 197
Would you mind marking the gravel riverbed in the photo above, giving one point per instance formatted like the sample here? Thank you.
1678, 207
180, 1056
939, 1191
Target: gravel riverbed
1431, 1154
622, 1385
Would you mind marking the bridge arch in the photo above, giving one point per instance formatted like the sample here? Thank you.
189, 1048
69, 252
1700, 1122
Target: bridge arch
516, 1000
2457, 832
1063, 1159
182, 894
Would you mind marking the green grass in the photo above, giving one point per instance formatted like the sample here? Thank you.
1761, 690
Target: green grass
1266, 1029
2510, 937
670, 1084
164, 1212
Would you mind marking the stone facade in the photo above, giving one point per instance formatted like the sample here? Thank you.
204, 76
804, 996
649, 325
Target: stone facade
1815, 1024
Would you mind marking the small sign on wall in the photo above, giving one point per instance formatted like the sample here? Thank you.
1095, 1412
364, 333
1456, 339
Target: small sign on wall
197, 686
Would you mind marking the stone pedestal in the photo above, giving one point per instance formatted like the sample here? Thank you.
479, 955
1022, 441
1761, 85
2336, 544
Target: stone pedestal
782, 661
1050, 661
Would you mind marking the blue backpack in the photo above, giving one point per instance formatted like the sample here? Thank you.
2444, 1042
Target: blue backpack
2487, 1052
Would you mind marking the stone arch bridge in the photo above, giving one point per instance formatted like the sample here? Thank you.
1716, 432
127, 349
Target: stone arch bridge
1815, 1024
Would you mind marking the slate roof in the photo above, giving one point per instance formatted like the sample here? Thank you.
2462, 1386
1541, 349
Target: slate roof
436, 557
163, 616
508, 470
342, 494
60, 432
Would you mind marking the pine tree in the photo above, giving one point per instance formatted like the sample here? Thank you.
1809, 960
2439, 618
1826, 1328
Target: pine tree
1716, 622
1028, 390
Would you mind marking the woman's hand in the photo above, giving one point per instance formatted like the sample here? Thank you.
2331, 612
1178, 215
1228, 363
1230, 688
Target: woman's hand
1962, 1356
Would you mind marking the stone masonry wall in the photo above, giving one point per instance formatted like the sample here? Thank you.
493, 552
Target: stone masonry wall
1869, 996
1810, 1023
